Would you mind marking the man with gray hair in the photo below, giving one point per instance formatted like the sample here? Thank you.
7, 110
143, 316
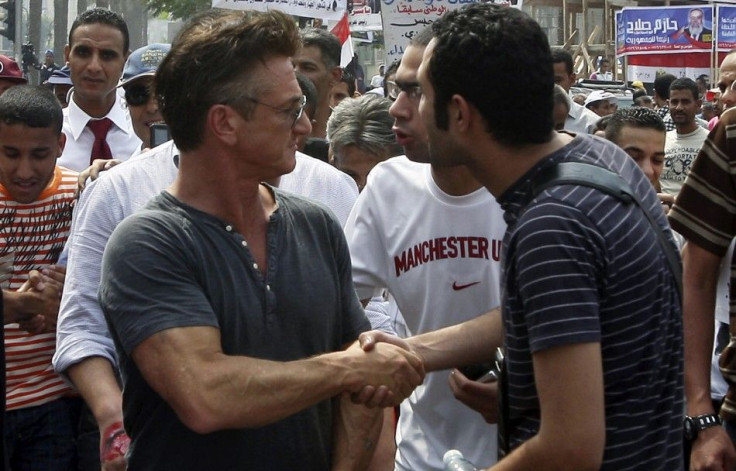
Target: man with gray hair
360, 136
319, 60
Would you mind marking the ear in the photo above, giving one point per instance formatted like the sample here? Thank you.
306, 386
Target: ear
62, 143
462, 114
221, 123
67, 50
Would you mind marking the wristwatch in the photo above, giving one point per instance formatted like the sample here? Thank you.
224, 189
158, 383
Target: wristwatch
694, 425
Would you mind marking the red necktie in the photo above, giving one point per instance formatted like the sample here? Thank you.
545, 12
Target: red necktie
100, 149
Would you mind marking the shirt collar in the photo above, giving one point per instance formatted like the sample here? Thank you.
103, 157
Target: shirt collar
118, 114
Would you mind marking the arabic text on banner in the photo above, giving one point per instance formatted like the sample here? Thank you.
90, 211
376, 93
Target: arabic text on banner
665, 30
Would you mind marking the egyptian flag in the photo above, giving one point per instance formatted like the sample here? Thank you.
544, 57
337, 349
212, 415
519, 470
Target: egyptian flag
342, 31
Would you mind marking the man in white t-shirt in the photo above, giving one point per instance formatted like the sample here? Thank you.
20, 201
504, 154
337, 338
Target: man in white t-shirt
431, 237
683, 144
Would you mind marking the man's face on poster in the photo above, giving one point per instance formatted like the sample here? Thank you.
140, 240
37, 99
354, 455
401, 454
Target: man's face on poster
696, 20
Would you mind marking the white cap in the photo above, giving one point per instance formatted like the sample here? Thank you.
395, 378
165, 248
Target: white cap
599, 95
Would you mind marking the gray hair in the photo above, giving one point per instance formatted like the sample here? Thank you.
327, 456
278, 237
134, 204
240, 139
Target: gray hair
365, 123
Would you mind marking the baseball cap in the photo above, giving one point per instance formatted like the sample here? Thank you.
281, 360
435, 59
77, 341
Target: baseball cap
9, 70
144, 61
637, 84
60, 76
599, 95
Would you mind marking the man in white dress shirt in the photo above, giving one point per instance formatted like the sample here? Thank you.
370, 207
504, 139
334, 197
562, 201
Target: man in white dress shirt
96, 122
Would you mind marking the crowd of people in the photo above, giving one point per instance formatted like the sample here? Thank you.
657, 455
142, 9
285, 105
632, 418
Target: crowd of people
218, 254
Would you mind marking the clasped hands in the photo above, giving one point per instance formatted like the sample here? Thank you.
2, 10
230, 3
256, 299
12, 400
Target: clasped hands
42, 295
389, 370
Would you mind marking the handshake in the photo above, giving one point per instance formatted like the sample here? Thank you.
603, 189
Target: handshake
383, 370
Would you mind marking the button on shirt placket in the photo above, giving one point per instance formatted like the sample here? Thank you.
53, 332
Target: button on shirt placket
269, 295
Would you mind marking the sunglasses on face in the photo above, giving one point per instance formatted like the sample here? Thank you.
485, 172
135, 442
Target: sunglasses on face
137, 95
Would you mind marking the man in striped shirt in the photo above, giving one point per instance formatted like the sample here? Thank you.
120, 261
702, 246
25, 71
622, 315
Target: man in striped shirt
703, 214
36, 200
591, 317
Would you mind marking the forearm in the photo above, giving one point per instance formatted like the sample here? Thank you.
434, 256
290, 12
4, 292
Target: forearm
473, 341
95, 379
356, 433
535, 454
699, 280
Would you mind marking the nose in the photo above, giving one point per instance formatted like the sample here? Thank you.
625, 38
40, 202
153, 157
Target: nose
302, 125
152, 105
401, 107
25, 169
728, 99
95, 64
646, 167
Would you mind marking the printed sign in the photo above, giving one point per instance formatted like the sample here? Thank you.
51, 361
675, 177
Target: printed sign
324, 9
403, 19
665, 30
726, 34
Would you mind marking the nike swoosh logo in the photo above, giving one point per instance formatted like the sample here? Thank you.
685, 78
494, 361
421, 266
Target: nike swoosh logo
458, 287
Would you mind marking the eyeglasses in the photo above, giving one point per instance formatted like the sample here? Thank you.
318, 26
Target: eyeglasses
293, 113
137, 95
413, 90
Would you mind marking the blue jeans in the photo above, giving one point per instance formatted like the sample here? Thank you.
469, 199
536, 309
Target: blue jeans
42, 438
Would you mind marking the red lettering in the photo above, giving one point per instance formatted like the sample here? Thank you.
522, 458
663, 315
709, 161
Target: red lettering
451, 247
496, 250
400, 264
441, 248
463, 241
483, 243
425, 252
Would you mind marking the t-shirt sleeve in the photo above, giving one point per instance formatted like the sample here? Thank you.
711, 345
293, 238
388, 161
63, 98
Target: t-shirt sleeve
148, 280
557, 270
354, 318
367, 249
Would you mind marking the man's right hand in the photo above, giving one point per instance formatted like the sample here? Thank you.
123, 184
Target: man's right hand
712, 450
388, 374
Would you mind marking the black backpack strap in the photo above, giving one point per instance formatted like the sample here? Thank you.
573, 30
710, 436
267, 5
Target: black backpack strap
594, 176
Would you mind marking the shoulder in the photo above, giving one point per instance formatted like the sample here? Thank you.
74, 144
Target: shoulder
309, 167
397, 169
160, 221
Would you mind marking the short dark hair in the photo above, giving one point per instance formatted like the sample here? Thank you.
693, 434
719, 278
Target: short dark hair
638, 93
478, 54
603, 59
309, 91
637, 117
326, 42
390, 71
210, 63
561, 55
105, 17
662, 85
349, 79
33, 106
641, 100
685, 83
